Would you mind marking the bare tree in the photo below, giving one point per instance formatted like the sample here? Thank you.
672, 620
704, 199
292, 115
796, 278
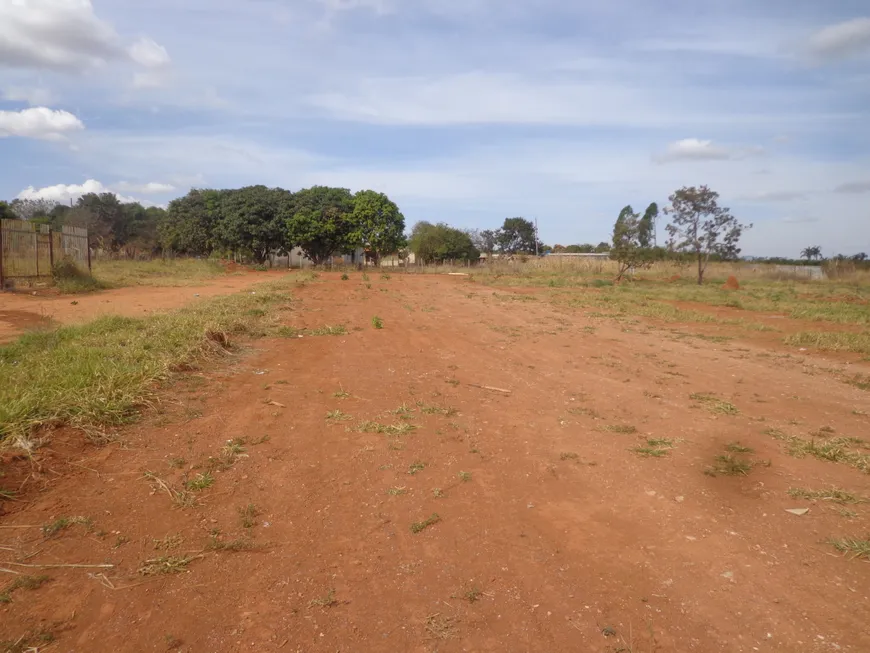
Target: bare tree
700, 226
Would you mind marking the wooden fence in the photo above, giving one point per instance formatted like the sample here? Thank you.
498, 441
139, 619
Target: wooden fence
29, 251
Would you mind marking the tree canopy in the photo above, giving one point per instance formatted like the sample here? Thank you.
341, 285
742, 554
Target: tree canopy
378, 225
516, 236
437, 243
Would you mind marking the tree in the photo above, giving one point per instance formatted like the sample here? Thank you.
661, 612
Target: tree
6, 212
516, 236
319, 220
251, 221
378, 225
483, 240
189, 222
602, 247
27, 209
860, 257
647, 228
627, 249
436, 243
811, 253
701, 227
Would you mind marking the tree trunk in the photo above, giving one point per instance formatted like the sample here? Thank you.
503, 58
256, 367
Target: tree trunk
700, 271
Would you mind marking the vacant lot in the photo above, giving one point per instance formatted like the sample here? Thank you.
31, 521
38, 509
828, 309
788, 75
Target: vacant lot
455, 464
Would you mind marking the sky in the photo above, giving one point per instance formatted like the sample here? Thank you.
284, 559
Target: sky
462, 111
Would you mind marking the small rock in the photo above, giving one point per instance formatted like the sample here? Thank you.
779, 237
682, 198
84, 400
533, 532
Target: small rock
679, 499
798, 511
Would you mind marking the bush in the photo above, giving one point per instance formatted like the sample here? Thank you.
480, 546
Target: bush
70, 278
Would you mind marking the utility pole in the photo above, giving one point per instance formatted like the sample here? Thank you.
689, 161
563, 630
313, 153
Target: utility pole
536, 237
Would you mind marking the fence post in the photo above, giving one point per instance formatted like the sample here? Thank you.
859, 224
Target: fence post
2, 282
51, 248
88, 247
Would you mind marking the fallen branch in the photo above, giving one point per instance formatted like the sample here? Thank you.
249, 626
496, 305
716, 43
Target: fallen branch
489, 387
21, 564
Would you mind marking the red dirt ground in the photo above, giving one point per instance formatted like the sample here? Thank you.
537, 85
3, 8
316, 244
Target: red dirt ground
21, 311
536, 551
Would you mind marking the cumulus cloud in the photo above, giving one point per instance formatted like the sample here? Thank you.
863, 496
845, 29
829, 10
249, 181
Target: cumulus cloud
55, 34
151, 187
149, 54
694, 149
854, 187
38, 122
841, 40
34, 96
63, 193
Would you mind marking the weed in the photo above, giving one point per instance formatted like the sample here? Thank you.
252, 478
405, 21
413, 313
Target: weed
337, 416
403, 412
181, 498
327, 601
736, 447
248, 515
472, 595
397, 491
327, 331
435, 409
168, 543
385, 276
655, 448
626, 429
438, 493
569, 455
831, 341
465, 476
344, 277
729, 466
22, 583
418, 526
233, 449
240, 544
836, 450
441, 627
341, 394
402, 428
714, 404
416, 466
833, 494
200, 482
854, 547
166, 565
377, 322
177, 463
53, 528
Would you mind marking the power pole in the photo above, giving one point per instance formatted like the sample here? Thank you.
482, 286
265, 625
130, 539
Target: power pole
536, 237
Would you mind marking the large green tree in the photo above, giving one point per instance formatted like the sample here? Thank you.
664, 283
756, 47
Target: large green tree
378, 225
702, 228
438, 243
516, 236
627, 248
251, 221
319, 220
189, 222
646, 234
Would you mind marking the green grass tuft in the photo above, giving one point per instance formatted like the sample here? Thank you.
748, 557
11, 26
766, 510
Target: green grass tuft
418, 526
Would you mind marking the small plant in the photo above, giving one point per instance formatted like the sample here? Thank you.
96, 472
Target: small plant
438, 493
736, 447
377, 322
327, 601
233, 449
248, 515
465, 476
853, 547
415, 467
168, 543
327, 330
239, 544
385, 276
22, 583
714, 404
472, 595
341, 394
418, 526
365, 276
833, 494
177, 463
166, 565
625, 429
344, 277
402, 428
53, 528
655, 448
435, 409
569, 455
397, 491
403, 412
337, 416
200, 482
729, 466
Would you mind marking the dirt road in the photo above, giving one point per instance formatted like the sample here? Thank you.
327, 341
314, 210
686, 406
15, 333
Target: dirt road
22, 311
538, 528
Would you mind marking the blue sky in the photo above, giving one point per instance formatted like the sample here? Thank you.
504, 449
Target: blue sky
462, 111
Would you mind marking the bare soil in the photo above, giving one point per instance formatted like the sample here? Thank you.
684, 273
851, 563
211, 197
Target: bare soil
25, 310
553, 534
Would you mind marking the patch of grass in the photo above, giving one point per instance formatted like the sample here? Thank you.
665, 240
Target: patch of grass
169, 543
736, 447
103, 372
569, 455
344, 277
377, 322
849, 451
438, 493
181, 498
403, 412
441, 627
22, 583
62, 523
831, 494
200, 482
714, 404
327, 601
337, 416
397, 491
655, 448
418, 526
416, 466
402, 428
234, 546
858, 343
327, 330
626, 429
853, 547
729, 465
166, 565
341, 394
177, 462
233, 449
248, 515
158, 272
435, 409
472, 595
465, 476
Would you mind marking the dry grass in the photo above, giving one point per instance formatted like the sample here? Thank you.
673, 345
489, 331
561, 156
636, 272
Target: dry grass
834, 494
159, 272
852, 547
832, 341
